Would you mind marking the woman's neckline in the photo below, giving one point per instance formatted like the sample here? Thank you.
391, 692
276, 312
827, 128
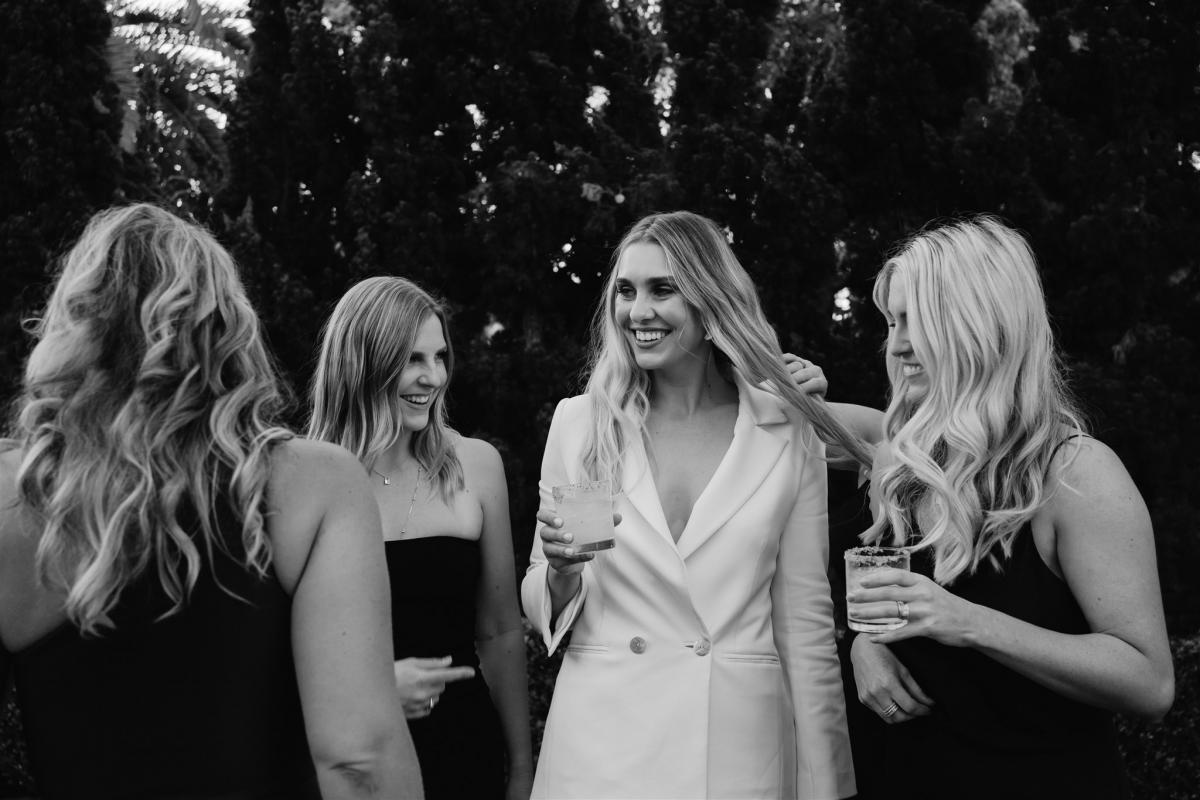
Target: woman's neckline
471, 540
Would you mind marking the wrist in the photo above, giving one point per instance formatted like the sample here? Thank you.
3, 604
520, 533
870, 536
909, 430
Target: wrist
974, 633
563, 584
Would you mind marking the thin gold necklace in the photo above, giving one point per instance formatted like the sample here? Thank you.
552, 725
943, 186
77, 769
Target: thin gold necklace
412, 502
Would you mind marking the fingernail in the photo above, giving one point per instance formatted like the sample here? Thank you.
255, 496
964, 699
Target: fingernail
568, 537
570, 551
558, 523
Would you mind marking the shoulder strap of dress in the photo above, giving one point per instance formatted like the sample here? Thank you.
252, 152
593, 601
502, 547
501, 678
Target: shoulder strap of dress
1058, 446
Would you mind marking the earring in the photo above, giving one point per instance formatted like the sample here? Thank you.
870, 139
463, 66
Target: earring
708, 337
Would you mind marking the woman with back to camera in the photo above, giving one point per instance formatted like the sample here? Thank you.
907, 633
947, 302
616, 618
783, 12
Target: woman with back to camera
380, 390
191, 600
702, 659
1033, 606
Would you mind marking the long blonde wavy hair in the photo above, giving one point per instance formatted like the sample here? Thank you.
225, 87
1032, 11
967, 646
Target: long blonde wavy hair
147, 400
365, 346
973, 455
715, 285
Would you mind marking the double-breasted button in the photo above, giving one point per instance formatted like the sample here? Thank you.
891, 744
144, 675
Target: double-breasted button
702, 647
638, 645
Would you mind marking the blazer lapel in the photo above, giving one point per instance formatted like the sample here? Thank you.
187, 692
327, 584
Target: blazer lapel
759, 436
637, 481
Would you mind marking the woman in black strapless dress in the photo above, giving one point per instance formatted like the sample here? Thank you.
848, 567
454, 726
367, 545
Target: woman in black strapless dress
379, 391
1033, 609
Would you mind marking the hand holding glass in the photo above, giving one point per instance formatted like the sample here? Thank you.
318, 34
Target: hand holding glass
586, 511
861, 562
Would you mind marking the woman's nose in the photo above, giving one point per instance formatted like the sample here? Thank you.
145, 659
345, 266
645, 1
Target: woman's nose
641, 308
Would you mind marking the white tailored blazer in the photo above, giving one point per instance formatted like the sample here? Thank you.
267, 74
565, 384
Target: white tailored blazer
704, 668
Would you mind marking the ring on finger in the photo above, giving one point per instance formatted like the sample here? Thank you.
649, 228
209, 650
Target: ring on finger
902, 610
890, 710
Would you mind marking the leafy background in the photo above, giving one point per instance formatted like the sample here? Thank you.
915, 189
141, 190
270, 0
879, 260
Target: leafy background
494, 151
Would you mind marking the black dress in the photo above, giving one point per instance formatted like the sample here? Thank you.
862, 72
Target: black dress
994, 733
201, 704
460, 746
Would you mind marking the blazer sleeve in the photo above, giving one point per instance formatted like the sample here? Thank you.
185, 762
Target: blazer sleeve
802, 616
562, 449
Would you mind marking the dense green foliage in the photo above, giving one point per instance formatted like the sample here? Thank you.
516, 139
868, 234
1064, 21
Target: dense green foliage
494, 151
59, 159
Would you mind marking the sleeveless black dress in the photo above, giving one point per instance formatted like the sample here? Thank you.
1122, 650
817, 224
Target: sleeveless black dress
994, 733
460, 746
201, 704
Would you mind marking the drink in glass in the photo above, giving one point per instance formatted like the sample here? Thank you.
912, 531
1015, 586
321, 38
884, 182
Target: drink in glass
586, 511
861, 562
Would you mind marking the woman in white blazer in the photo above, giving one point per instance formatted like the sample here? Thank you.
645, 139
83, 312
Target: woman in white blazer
702, 660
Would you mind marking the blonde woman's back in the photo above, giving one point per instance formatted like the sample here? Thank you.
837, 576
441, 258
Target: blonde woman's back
233, 679
192, 600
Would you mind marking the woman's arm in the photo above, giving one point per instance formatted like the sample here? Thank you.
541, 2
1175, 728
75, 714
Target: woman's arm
555, 586
864, 421
1105, 550
802, 620
499, 636
329, 551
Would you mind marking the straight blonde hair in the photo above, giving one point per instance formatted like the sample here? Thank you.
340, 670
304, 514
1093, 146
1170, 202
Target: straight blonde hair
713, 282
973, 455
365, 346
149, 395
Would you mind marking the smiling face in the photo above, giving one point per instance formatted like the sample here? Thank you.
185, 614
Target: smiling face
663, 331
913, 377
424, 376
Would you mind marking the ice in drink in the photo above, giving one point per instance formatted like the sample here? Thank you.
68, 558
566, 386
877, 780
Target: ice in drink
861, 562
586, 512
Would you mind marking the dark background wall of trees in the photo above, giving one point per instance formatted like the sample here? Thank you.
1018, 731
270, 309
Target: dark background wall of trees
453, 142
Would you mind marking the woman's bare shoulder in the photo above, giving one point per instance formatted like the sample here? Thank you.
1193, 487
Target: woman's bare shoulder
481, 461
307, 468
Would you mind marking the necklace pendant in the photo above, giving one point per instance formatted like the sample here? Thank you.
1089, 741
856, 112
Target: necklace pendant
387, 481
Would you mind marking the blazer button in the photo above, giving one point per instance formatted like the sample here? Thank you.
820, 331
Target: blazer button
638, 645
702, 647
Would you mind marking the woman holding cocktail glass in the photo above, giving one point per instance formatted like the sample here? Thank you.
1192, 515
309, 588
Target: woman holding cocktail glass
1032, 607
702, 659
380, 391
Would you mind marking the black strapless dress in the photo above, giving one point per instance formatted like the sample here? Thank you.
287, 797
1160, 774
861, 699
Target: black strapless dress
460, 745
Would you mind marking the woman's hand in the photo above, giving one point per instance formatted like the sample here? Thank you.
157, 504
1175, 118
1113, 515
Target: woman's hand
930, 609
808, 377
556, 543
885, 685
421, 681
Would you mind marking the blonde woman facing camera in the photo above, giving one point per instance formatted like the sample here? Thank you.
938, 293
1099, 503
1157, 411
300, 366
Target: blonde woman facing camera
1033, 606
702, 659
191, 600
380, 391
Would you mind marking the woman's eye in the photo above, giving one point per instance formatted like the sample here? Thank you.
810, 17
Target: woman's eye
625, 292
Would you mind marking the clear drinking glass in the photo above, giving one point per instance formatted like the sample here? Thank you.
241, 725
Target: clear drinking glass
861, 562
586, 511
